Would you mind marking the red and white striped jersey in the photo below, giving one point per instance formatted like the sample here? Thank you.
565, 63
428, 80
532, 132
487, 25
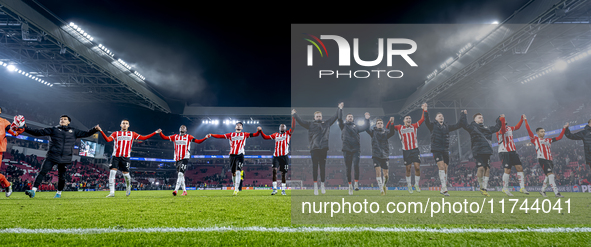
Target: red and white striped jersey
505, 138
408, 135
124, 141
543, 144
543, 147
182, 145
237, 140
281, 142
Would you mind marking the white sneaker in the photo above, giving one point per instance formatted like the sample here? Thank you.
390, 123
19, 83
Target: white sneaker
350, 189
418, 188
507, 192
322, 188
111, 195
128, 193
356, 186
315, 189
9, 190
410, 189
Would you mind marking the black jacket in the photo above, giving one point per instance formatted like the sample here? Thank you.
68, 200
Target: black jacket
318, 131
440, 133
481, 135
380, 147
350, 134
61, 142
585, 136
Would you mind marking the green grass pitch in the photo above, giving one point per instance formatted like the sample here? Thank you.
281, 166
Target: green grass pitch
207, 209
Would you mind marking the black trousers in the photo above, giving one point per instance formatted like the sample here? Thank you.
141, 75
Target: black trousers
318, 160
352, 159
46, 167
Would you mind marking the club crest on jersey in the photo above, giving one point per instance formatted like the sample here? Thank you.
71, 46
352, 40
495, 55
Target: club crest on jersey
70, 131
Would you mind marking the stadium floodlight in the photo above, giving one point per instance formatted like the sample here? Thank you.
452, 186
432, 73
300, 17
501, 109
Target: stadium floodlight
11, 68
4, 64
495, 23
360, 122
72, 24
560, 65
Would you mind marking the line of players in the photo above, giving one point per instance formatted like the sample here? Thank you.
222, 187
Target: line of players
481, 147
63, 138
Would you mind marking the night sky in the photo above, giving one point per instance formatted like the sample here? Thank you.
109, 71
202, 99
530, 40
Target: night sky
234, 55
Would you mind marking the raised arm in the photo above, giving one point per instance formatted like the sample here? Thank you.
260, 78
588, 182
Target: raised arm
168, 138
305, 124
332, 119
576, 136
253, 134
146, 137
198, 141
340, 119
368, 130
90, 132
266, 137
461, 123
391, 127
428, 122
225, 136
293, 124
531, 134
519, 123
39, 132
500, 124
107, 138
418, 123
555, 139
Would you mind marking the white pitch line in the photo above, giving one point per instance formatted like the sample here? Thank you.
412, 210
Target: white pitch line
292, 229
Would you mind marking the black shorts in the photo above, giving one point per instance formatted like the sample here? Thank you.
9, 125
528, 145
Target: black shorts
547, 165
383, 163
441, 156
509, 159
411, 156
482, 160
120, 163
281, 162
181, 165
236, 161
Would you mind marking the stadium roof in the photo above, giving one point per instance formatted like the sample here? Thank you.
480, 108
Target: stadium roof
525, 45
41, 44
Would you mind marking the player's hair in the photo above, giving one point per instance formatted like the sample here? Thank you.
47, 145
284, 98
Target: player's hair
125, 120
587, 122
473, 117
379, 120
240, 123
538, 129
410, 116
69, 119
349, 114
317, 112
436, 114
183, 125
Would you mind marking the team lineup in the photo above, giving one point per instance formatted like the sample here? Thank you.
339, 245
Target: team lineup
63, 138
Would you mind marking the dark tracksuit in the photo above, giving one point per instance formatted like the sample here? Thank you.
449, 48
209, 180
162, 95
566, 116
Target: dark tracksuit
481, 139
585, 136
318, 133
351, 144
61, 148
440, 134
